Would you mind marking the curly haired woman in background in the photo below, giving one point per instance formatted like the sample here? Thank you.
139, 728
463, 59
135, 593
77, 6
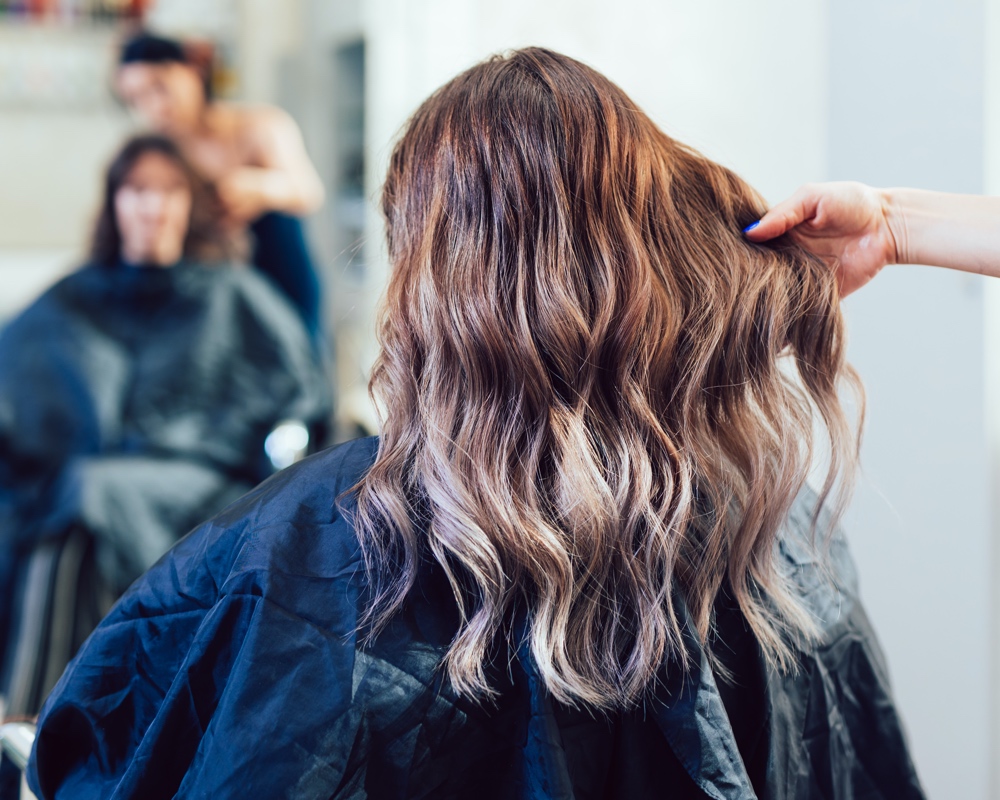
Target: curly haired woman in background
581, 560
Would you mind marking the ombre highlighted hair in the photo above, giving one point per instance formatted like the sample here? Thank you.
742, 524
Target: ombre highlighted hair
585, 414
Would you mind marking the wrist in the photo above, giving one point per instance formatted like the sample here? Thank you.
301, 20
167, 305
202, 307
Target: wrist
269, 188
276, 190
894, 215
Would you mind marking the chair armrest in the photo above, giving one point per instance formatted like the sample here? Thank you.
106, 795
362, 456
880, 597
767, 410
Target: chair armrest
287, 443
16, 739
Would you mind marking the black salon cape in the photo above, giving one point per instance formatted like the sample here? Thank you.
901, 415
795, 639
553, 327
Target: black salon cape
232, 670
134, 404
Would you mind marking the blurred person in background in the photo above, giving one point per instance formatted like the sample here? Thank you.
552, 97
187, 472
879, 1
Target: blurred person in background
581, 560
135, 398
253, 155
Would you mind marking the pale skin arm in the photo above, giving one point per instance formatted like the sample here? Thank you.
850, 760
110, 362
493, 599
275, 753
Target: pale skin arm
860, 229
284, 178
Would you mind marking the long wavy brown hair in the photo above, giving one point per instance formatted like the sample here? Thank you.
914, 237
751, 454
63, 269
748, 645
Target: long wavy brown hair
585, 412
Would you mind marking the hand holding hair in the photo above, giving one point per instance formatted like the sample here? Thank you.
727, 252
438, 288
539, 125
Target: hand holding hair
859, 229
845, 224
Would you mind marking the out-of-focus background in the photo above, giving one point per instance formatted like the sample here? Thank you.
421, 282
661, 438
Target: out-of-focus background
891, 92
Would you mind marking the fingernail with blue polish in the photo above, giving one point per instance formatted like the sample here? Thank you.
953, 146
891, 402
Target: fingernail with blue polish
751, 226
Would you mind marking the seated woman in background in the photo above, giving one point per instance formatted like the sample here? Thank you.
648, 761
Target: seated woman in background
135, 398
252, 155
580, 560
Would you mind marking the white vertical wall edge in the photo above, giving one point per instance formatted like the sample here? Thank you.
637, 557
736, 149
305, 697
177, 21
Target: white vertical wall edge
991, 369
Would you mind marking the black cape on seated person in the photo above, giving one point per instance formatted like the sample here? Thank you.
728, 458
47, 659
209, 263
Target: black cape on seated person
134, 404
232, 669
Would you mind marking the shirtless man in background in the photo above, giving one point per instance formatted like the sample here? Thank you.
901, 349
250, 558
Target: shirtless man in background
253, 155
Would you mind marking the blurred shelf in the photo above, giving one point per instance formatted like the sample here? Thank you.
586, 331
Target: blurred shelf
54, 66
72, 13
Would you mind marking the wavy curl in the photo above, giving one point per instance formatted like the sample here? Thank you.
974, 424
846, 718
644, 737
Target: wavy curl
584, 406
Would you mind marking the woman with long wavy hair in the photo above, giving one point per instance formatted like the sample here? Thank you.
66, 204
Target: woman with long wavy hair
580, 561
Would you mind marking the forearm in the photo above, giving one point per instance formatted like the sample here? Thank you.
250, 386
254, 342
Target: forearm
947, 230
281, 190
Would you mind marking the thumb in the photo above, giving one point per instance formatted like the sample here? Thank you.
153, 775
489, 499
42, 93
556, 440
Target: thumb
798, 208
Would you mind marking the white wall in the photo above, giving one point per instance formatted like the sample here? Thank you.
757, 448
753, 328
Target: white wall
992, 368
920, 523
51, 158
